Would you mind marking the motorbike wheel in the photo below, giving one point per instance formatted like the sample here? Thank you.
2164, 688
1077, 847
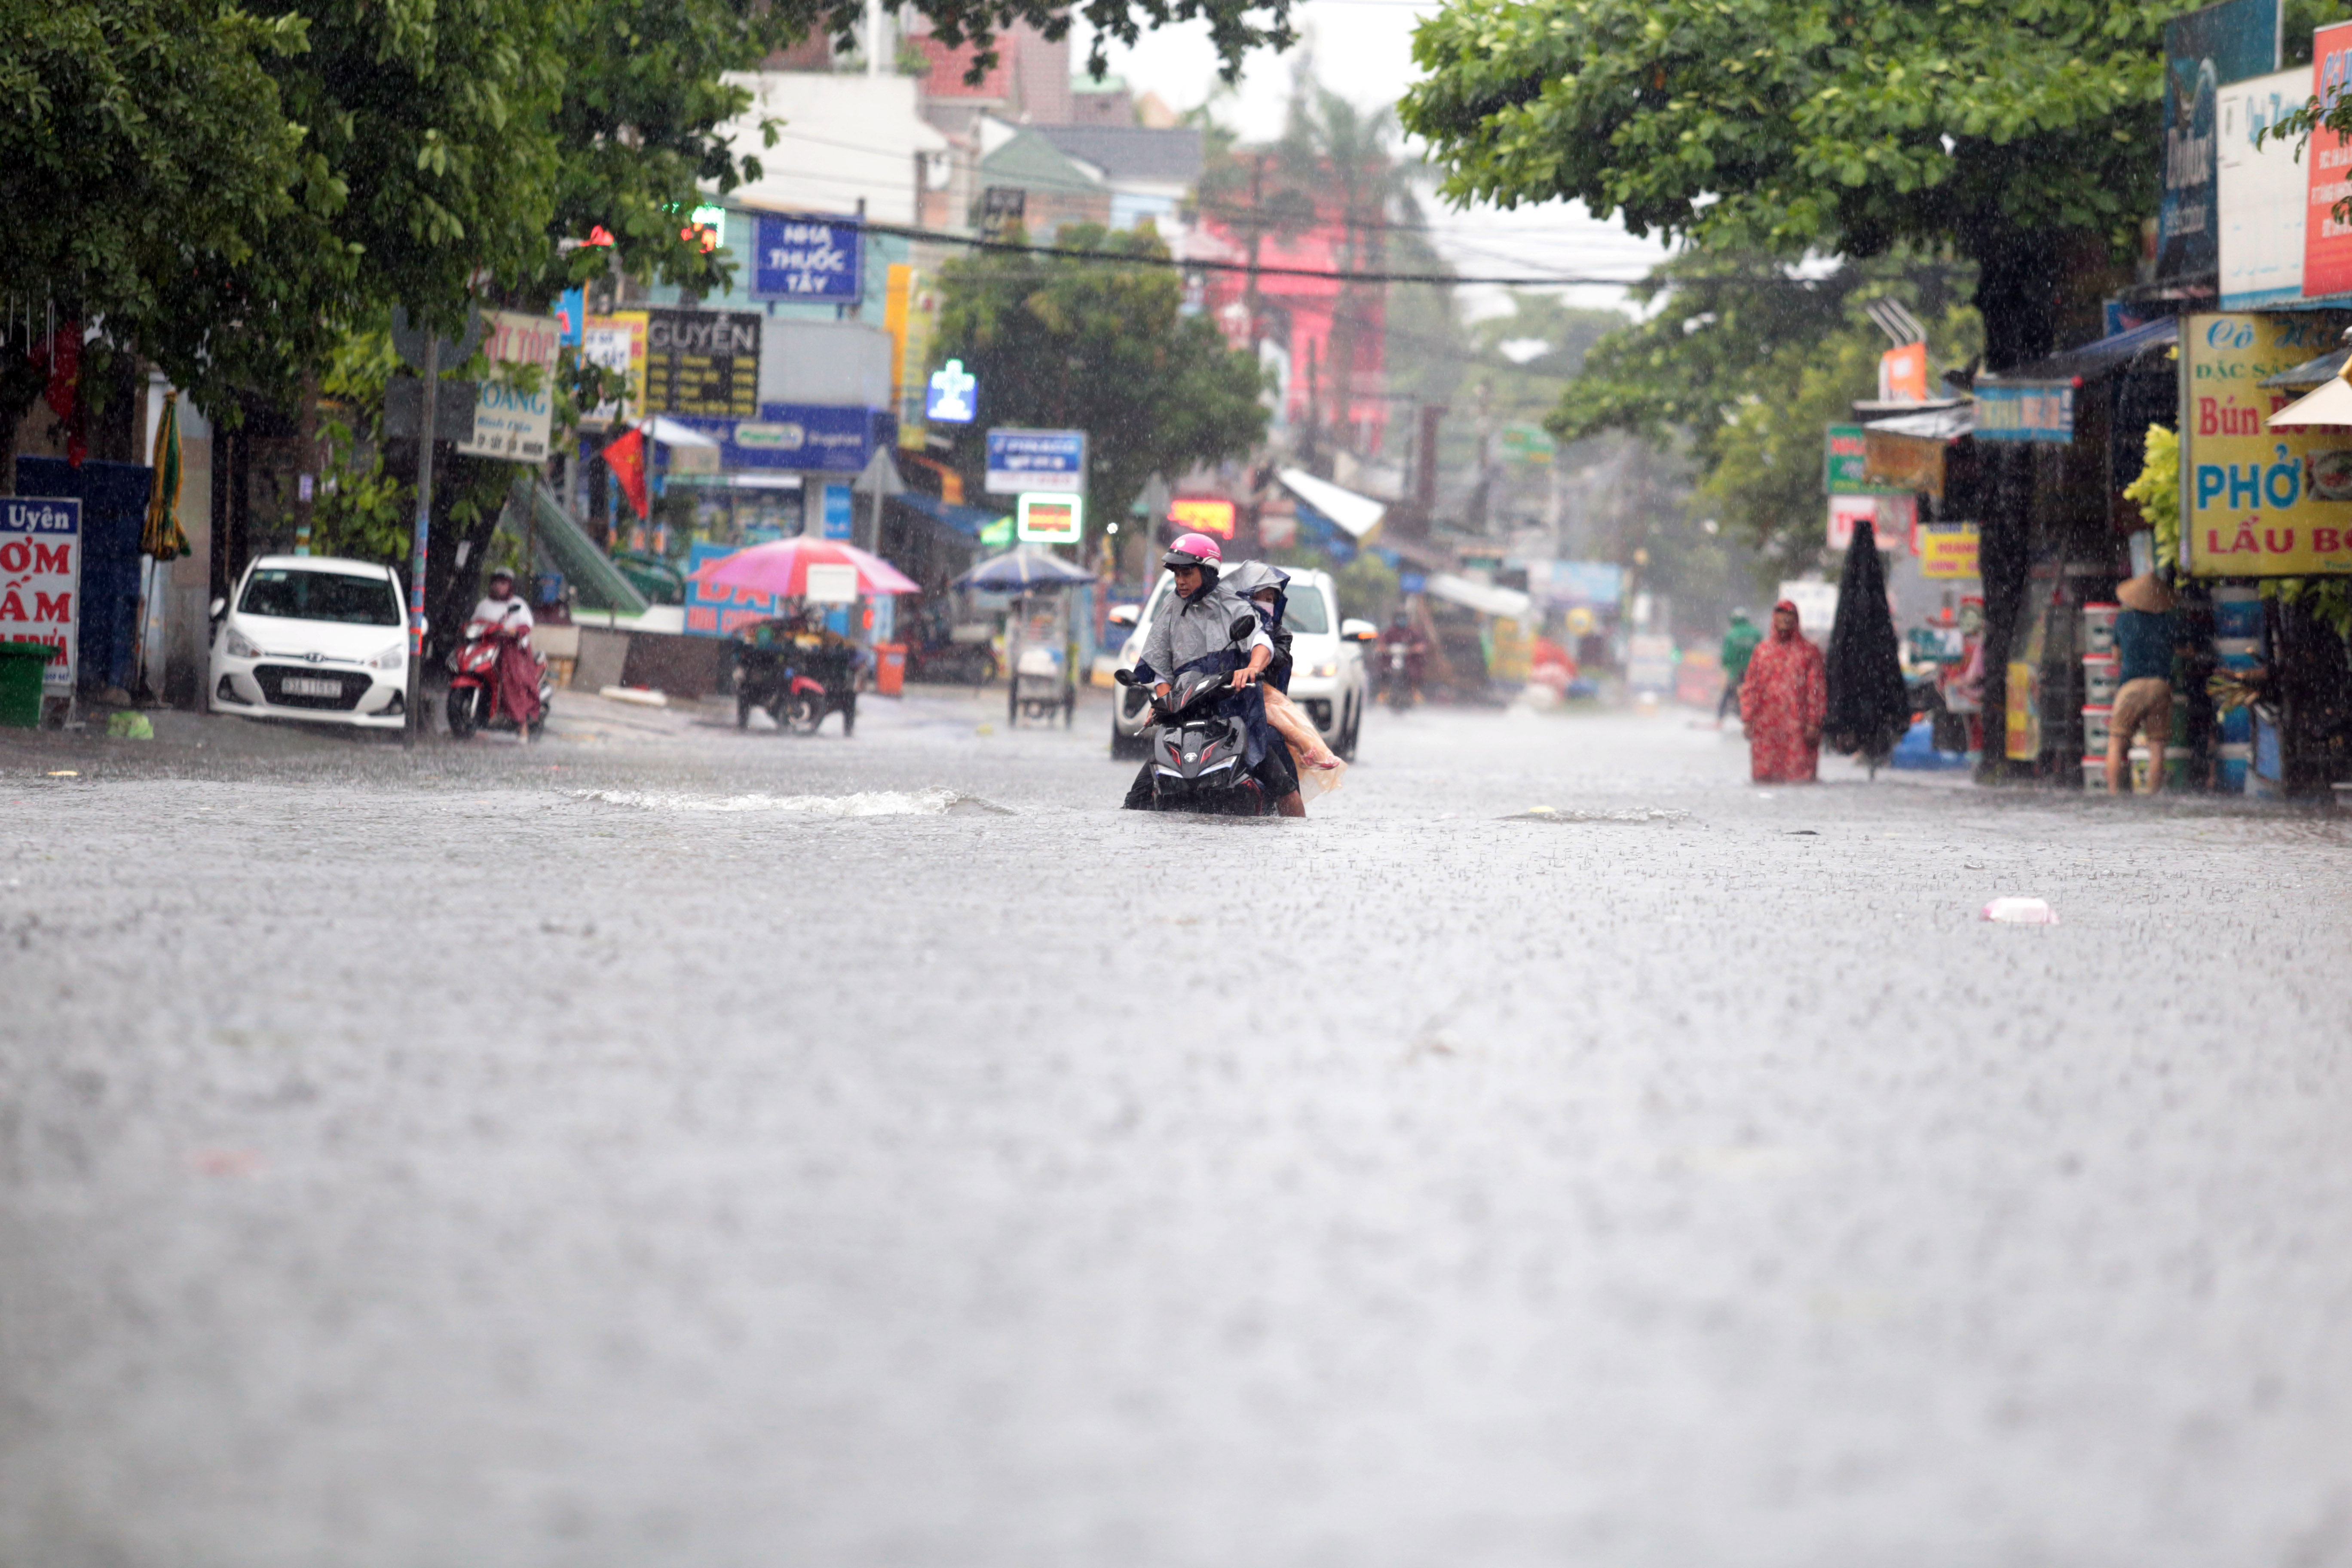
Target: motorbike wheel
1350, 731
802, 713
743, 711
462, 708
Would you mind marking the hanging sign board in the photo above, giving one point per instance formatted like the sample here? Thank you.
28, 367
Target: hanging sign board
513, 416
2025, 411
1052, 518
2257, 502
1202, 514
830, 584
1024, 460
795, 257
2327, 171
954, 394
2261, 190
616, 342
40, 581
1846, 464
1947, 549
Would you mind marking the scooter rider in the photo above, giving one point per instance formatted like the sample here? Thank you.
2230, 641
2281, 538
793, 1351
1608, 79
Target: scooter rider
1196, 630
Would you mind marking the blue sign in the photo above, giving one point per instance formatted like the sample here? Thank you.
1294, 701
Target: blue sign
793, 437
2025, 411
1020, 462
808, 259
571, 316
955, 394
839, 522
719, 612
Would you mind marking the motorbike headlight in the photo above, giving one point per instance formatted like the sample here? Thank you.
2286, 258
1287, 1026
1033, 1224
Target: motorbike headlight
393, 658
1325, 670
237, 647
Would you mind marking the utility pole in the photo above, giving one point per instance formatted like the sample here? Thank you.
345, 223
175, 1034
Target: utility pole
1256, 229
424, 534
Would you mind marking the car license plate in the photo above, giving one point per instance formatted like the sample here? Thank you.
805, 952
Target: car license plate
308, 685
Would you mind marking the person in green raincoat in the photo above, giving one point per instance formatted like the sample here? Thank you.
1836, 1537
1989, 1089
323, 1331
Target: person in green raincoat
1738, 648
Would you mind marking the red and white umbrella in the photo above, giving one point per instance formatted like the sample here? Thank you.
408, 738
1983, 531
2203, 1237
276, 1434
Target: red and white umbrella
781, 567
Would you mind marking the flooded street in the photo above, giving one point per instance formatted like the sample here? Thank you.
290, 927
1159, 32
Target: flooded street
670, 1144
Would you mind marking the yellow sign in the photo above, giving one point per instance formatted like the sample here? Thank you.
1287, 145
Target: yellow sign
2023, 730
1947, 549
2258, 502
1202, 514
911, 314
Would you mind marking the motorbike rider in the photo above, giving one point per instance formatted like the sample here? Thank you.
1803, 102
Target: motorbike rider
1403, 634
1196, 631
1265, 588
501, 613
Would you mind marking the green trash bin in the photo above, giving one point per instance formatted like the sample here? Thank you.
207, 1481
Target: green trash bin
21, 664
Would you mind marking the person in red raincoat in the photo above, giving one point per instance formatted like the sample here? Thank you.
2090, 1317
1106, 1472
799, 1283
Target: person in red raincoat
1782, 702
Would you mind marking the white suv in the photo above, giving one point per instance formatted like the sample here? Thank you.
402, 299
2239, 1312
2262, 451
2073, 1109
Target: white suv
313, 637
1328, 677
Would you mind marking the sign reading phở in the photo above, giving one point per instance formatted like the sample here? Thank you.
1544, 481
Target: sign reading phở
2258, 502
40, 581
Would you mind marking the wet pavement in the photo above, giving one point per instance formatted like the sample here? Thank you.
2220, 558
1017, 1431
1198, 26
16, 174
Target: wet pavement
671, 1145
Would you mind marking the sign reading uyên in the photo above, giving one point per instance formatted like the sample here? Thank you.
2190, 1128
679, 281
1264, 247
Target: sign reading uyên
40, 581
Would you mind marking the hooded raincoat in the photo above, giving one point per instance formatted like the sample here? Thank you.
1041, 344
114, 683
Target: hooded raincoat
1782, 702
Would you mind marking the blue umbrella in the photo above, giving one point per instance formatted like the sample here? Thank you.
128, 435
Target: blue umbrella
1021, 569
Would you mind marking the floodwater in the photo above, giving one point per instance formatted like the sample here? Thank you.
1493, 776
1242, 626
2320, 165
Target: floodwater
671, 1145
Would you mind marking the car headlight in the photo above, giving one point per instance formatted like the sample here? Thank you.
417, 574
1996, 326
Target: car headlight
392, 657
237, 647
1325, 670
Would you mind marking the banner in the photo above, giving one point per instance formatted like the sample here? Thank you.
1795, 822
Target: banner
616, 341
40, 581
1846, 464
2327, 161
2203, 50
2257, 502
2263, 189
509, 422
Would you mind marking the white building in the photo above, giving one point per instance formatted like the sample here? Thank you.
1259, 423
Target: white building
843, 139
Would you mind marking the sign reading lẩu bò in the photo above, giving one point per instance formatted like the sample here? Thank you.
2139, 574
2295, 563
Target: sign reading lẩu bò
2258, 502
40, 581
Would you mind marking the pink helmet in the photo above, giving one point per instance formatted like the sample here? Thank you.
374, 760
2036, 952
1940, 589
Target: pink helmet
1194, 550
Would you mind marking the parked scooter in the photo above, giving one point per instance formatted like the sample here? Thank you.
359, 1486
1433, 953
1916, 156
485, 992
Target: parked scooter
1199, 758
473, 702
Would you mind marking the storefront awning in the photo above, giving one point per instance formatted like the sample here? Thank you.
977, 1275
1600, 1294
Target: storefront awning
2310, 372
1356, 515
1908, 449
670, 433
2093, 360
969, 521
1482, 597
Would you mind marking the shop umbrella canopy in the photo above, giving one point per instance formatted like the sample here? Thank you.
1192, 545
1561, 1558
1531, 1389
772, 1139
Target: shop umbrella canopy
1869, 709
781, 568
1023, 570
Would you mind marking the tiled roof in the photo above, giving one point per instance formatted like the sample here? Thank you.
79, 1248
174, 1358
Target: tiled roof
1131, 152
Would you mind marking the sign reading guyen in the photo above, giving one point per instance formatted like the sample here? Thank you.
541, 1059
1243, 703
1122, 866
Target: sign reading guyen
2257, 502
40, 581
702, 361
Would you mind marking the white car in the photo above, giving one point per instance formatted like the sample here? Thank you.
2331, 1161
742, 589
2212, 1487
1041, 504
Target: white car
1327, 677
315, 639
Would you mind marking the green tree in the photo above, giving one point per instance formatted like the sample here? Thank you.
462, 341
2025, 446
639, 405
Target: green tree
2020, 136
1060, 344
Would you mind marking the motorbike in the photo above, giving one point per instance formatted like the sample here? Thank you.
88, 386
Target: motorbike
1198, 758
472, 703
798, 686
1396, 676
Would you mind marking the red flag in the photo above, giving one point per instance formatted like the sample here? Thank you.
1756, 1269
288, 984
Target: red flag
626, 459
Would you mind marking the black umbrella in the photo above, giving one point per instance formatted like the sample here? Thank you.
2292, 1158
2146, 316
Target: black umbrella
1868, 708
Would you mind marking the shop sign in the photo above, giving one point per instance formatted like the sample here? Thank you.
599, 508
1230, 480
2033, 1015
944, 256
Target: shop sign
911, 314
2021, 728
840, 515
1527, 444
2257, 502
704, 362
40, 581
2263, 187
616, 342
1844, 512
813, 259
1816, 606
510, 422
2202, 50
2328, 242
2025, 411
1052, 518
1845, 463
1947, 549
1024, 460
830, 584
1908, 464
793, 437
719, 612
954, 394
1202, 514
1903, 375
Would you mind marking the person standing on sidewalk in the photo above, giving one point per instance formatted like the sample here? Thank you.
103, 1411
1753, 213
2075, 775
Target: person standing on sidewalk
1783, 702
2145, 631
1739, 646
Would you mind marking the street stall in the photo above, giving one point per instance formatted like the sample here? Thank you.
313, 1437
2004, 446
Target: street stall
781, 656
1040, 634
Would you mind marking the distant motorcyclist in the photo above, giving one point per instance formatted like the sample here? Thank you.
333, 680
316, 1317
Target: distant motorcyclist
501, 609
1739, 643
1195, 633
501, 617
1403, 634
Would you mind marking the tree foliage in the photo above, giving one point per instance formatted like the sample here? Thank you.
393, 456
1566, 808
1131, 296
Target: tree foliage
1089, 345
2022, 135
